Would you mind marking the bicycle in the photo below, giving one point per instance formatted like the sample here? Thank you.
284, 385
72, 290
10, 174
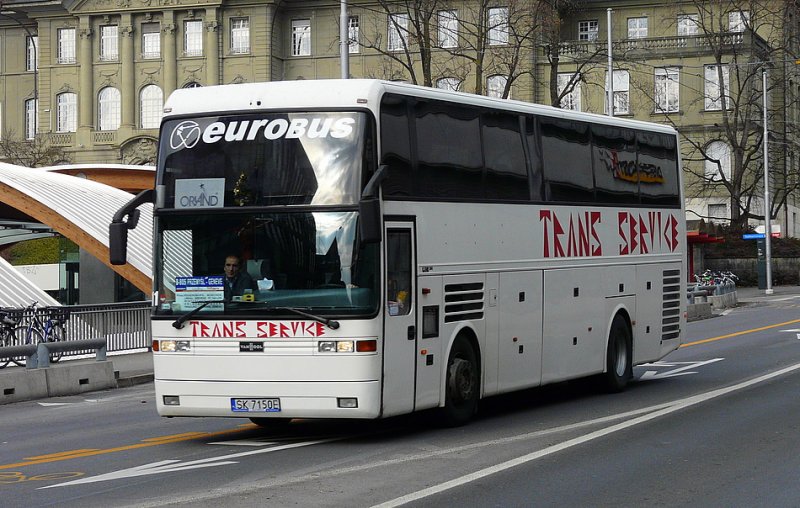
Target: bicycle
50, 329
7, 337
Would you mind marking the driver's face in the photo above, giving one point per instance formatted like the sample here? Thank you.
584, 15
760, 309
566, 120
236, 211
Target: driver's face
232, 266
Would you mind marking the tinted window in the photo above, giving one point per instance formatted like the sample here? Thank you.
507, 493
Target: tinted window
396, 146
566, 155
534, 149
614, 160
448, 141
658, 169
506, 172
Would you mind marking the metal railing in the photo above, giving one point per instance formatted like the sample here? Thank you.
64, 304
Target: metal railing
122, 326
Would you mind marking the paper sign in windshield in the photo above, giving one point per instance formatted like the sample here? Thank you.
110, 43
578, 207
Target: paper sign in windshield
191, 292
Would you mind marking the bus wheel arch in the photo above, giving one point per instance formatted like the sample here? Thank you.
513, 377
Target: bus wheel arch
619, 352
462, 379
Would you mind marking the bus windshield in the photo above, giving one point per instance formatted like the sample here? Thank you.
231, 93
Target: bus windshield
264, 159
310, 261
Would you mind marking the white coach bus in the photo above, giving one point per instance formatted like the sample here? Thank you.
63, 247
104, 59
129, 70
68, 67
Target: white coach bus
411, 248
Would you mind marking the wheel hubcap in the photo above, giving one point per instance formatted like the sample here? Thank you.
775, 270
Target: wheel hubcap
461, 380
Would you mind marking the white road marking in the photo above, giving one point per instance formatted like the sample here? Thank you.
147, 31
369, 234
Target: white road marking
169, 466
680, 371
676, 406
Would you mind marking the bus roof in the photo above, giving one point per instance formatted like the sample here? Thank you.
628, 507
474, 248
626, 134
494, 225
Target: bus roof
354, 93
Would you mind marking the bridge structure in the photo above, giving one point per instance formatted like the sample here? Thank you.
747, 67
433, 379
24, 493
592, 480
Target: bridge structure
77, 202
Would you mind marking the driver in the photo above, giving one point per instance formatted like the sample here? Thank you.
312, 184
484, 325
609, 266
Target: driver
236, 280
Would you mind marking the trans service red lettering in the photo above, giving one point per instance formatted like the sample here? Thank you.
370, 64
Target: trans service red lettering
571, 234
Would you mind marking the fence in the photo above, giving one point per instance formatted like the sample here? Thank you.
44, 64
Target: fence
123, 325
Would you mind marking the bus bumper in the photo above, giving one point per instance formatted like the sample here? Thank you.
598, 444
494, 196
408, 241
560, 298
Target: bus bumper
297, 399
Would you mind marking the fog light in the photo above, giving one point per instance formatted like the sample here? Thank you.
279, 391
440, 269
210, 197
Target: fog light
172, 400
344, 346
347, 402
328, 346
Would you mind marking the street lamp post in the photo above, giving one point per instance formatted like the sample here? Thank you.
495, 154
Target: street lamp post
767, 205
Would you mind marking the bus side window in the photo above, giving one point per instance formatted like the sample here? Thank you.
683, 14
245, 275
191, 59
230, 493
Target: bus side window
398, 272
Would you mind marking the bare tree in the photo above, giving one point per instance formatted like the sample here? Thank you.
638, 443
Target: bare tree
32, 153
742, 39
406, 36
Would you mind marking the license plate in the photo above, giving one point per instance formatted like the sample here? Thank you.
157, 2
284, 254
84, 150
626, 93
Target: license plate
256, 405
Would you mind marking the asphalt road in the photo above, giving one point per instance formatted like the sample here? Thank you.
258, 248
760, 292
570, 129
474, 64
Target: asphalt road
714, 424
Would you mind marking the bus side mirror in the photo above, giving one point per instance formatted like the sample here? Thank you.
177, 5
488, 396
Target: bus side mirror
118, 243
369, 214
126, 218
369, 208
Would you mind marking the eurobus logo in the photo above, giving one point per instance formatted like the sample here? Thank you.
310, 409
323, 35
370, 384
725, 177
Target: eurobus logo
185, 135
188, 133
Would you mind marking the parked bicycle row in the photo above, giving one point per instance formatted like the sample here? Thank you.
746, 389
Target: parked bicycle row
29, 326
713, 283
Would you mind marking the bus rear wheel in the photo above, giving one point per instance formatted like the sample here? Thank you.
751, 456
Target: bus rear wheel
619, 357
462, 386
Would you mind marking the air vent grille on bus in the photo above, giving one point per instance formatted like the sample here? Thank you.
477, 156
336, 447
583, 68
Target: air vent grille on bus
463, 301
671, 305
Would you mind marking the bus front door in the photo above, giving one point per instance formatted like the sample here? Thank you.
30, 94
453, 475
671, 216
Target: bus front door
400, 331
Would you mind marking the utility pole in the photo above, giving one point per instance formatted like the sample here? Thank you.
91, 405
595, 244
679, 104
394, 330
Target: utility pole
610, 90
767, 206
344, 38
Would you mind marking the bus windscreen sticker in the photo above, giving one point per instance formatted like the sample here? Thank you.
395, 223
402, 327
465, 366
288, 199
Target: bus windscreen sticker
191, 292
200, 193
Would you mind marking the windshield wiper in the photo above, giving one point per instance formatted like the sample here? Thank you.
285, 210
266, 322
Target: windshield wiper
330, 323
178, 323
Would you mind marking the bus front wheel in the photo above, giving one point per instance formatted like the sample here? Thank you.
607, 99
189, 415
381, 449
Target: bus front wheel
619, 357
462, 386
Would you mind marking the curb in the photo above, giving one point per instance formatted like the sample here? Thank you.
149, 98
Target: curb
138, 379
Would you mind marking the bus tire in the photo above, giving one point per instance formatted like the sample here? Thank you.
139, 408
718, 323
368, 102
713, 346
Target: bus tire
462, 385
619, 357
271, 423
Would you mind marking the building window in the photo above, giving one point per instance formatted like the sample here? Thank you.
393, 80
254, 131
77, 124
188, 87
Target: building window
666, 90
109, 43
622, 83
688, 24
496, 85
31, 118
151, 104
353, 34
67, 112
398, 31
588, 30
240, 36
451, 84
32, 53
109, 112
66, 46
151, 40
498, 26
193, 38
572, 81
738, 21
448, 29
301, 37
718, 211
718, 161
192, 84
637, 28
713, 91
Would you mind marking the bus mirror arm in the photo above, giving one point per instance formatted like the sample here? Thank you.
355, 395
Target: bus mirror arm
125, 219
369, 208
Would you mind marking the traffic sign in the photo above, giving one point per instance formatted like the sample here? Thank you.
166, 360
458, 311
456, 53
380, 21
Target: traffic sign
753, 236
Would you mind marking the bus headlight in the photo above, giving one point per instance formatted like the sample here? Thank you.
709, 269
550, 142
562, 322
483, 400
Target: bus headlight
175, 346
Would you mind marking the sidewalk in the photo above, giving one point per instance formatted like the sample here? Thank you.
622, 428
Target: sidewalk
73, 377
755, 295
